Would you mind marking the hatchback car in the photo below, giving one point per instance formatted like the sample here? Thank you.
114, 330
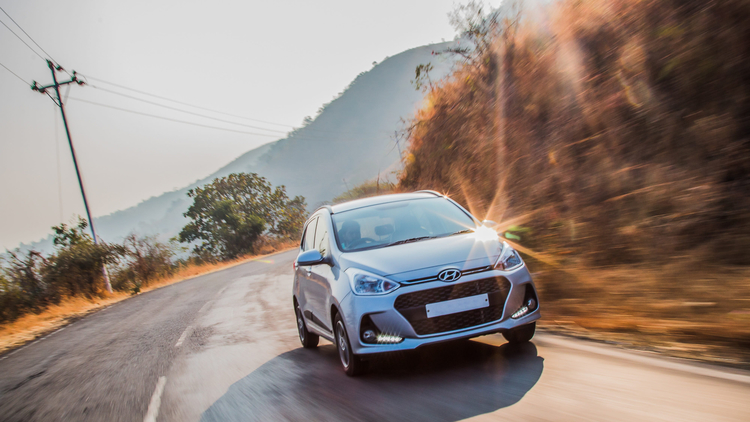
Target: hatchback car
396, 272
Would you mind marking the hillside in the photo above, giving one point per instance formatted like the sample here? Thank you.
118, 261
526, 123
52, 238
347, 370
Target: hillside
611, 139
350, 141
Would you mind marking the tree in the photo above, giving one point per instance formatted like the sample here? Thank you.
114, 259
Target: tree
22, 286
76, 267
229, 215
292, 218
146, 259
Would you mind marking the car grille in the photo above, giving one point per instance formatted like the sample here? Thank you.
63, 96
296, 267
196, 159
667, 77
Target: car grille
412, 305
463, 273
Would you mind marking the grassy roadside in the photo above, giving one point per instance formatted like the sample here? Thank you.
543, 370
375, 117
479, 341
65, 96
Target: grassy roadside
709, 353
32, 326
681, 311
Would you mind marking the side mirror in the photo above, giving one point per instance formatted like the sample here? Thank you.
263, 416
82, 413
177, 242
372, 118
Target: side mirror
489, 223
311, 257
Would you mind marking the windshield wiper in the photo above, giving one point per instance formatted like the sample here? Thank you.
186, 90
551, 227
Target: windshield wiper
462, 232
410, 240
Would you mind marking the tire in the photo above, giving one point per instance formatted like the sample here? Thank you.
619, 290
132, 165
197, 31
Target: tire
353, 365
308, 339
520, 334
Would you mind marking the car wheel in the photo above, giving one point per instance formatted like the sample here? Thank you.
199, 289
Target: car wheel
521, 334
353, 364
308, 339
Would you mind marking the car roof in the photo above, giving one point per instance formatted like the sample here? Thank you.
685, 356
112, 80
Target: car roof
382, 199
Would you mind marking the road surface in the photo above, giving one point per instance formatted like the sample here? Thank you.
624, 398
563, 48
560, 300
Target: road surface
223, 347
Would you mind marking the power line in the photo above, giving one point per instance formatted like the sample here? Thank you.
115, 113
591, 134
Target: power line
319, 131
14, 73
186, 122
25, 43
173, 120
186, 104
27, 34
185, 111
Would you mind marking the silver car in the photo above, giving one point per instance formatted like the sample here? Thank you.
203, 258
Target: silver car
396, 272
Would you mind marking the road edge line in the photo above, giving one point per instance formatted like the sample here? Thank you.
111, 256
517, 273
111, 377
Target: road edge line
649, 358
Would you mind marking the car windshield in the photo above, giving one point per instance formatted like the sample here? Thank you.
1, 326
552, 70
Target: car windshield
401, 222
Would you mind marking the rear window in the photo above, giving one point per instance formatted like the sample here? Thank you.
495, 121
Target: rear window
393, 223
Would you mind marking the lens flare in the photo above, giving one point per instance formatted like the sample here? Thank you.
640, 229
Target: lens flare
485, 233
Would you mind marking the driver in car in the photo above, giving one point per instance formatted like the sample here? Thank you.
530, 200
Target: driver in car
349, 234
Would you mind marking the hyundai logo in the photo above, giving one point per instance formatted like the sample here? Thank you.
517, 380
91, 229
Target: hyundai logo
449, 275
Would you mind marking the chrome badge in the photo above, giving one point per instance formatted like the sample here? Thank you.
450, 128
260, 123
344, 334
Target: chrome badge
449, 275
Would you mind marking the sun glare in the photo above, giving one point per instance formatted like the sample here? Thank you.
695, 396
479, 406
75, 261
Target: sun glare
485, 233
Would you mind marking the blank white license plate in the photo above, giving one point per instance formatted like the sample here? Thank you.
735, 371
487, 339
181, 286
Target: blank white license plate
457, 305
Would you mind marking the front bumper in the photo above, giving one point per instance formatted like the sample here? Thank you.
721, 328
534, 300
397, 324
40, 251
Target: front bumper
388, 320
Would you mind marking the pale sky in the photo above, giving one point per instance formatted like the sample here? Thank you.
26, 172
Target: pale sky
275, 61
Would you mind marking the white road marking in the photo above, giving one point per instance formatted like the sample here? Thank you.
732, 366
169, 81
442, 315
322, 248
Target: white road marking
203, 308
29, 344
183, 336
52, 333
153, 407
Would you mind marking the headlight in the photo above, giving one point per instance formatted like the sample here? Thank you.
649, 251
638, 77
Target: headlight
364, 283
509, 259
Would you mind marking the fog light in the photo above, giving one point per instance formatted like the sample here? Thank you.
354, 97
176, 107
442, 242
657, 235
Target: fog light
369, 336
389, 339
531, 303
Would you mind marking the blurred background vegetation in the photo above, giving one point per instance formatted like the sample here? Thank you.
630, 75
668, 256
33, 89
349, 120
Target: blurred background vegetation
618, 134
231, 217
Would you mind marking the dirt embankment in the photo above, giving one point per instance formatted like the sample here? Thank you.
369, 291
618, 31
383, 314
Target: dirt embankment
612, 140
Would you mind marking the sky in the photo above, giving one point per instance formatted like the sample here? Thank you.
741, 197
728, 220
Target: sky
271, 62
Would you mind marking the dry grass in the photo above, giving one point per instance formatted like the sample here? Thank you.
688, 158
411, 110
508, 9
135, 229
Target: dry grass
616, 133
700, 314
32, 326
70, 309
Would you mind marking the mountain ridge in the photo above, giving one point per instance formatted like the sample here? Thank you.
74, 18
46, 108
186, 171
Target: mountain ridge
348, 142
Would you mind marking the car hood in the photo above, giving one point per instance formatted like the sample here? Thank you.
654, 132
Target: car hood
426, 258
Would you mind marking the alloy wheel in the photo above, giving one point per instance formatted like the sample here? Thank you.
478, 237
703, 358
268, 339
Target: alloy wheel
342, 344
300, 324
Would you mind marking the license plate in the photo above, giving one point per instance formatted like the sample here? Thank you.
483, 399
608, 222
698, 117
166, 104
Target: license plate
457, 305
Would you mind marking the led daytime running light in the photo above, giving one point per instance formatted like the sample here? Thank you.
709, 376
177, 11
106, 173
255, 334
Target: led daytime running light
389, 339
521, 312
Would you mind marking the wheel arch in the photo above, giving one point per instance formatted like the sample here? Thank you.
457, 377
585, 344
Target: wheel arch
334, 311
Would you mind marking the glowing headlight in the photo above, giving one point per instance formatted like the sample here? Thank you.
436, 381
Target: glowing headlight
509, 259
364, 283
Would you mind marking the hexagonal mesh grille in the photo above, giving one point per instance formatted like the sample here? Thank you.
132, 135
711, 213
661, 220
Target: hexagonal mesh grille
412, 305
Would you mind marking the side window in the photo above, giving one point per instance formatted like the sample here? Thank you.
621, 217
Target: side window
321, 237
309, 237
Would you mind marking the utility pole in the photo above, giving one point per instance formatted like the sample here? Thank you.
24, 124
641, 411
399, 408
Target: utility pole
59, 103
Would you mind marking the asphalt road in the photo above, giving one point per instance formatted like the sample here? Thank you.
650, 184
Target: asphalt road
223, 347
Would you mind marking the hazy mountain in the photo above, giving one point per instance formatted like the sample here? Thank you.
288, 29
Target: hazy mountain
349, 142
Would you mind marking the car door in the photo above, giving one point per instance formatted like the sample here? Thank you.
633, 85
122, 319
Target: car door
321, 276
303, 272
